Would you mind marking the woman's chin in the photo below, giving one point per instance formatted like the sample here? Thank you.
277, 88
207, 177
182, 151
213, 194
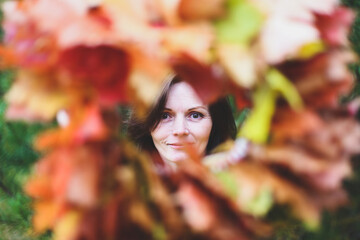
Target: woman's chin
177, 157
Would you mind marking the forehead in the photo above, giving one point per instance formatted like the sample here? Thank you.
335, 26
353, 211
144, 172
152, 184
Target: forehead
183, 94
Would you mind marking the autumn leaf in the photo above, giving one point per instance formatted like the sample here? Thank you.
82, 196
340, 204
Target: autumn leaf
29, 47
207, 80
240, 64
257, 126
104, 67
282, 38
46, 213
253, 179
241, 24
205, 9
288, 123
300, 162
66, 228
278, 82
84, 126
31, 98
335, 32
198, 210
78, 60
194, 40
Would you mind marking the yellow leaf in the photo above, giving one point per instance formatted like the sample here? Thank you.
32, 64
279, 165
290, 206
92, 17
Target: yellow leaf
33, 94
261, 203
257, 126
311, 49
241, 24
239, 62
66, 228
279, 82
45, 215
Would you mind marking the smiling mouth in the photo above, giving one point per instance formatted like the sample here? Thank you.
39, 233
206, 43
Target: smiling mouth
178, 145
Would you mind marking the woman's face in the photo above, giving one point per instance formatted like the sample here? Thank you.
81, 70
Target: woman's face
185, 124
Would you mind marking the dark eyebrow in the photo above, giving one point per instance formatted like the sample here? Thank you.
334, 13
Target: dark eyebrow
190, 109
202, 107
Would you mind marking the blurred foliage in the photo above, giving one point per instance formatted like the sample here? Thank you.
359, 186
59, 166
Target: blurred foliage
16, 159
344, 223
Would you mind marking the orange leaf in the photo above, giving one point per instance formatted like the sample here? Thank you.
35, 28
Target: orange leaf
201, 9
84, 126
288, 124
39, 187
46, 214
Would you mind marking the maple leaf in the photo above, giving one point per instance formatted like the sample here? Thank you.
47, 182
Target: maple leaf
240, 63
207, 80
202, 9
66, 228
55, 168
322, 79
31, 98
46, 213
254, 178
103, 67
194, 40
334, 28
240, 25
83, 184
282, 38
338, 136
290, 26
257, 126
301, 162
227, 219
71, 176
30, 46
288, 123
198, 210
84, 126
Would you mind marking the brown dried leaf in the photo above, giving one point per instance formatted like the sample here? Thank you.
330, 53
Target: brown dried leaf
289, 124
329, 174
253, 177
201, 9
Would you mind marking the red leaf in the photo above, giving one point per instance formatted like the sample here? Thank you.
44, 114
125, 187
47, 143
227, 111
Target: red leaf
207, 80
105, 68
290, 124
84, 126
334, 28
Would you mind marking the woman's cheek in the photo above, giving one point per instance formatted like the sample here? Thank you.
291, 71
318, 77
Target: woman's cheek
161, 132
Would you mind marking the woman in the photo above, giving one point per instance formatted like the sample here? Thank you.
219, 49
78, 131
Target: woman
180, 122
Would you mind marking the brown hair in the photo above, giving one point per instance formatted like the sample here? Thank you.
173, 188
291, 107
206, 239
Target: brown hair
223, 124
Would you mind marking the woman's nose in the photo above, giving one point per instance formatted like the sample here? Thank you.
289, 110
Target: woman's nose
180, 127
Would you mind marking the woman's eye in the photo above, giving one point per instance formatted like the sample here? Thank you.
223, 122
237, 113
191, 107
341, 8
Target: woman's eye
165, 115
196, 115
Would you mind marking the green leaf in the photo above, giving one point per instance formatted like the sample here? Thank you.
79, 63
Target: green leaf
257, 126
228, 181
279, 82
311, 49
159, 232
243, 21
261, 204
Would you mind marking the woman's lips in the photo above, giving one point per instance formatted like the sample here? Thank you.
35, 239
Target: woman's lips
178, 145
